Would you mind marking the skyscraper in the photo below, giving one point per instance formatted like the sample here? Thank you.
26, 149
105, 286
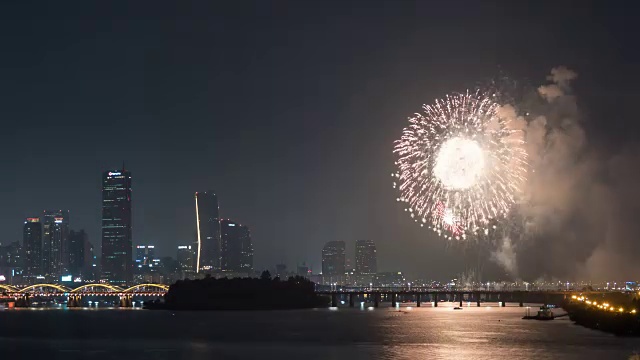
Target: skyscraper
185, 258
91, 271
55, 243
32, 243
246, 251
236, 247
333, 259
117, 246
11, 262
78, 253
366, 258
208, 230
145, 254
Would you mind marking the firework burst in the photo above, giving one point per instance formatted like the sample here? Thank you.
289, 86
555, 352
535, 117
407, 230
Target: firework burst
460, 165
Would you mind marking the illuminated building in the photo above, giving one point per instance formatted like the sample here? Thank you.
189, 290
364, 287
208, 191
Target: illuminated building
117, 244
145, 254
185, 257
333, 262
79, 249
147, 265
366, 258
55, 245
32, 244
208, 231
236, 248
11, 262
91, 271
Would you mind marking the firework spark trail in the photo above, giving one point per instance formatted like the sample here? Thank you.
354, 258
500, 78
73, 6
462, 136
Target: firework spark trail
460, 165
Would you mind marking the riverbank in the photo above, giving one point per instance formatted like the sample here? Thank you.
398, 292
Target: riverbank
603, 316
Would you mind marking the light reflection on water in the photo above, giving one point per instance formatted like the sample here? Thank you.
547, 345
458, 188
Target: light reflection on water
359, 333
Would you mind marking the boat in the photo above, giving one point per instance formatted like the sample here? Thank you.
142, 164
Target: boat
543, 314
457, 308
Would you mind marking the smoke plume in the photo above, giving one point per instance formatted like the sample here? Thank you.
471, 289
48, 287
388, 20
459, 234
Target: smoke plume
576, 218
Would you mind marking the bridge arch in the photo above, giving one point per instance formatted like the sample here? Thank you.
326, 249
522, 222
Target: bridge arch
106, 286
52, 286
158, 286
8, 288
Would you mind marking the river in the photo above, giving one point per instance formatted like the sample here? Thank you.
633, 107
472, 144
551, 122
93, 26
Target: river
360, 333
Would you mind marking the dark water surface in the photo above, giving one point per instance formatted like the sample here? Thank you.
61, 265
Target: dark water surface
383, 333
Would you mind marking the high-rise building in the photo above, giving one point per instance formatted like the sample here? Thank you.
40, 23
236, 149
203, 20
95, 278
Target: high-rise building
55, 243
208, 231
147, 265
236, 247
185, 257
366, 258
32, 244
246, 250
145, 254
78, 253
10, 262
117, 244
91, 271
333, 259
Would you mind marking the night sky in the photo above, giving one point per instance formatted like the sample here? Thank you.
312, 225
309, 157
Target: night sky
287, 109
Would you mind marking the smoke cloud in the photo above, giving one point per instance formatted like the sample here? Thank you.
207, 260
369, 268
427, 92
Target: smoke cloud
576, 218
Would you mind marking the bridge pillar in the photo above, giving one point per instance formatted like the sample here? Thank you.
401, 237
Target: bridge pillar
126, 301
393, 299
334, 300
23, 301
521, 297
461, 297
478, 295
73, 301
503, 300
435, 300
417, 299
351, 299
376, 299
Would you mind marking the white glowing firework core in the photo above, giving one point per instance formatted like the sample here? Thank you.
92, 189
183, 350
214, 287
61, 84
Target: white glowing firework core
459, 164
448, 217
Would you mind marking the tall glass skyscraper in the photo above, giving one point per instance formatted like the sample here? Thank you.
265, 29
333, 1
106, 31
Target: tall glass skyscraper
55, 244
208, 230
117, 245
32, 244
366, 257
236, 248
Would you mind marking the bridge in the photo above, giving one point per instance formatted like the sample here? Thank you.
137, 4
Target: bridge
420, 295
22, 295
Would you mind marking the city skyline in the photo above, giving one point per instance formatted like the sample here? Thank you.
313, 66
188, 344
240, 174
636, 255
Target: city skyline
293, 119
65, 252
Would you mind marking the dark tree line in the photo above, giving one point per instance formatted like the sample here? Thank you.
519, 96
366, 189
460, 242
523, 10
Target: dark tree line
243, 294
